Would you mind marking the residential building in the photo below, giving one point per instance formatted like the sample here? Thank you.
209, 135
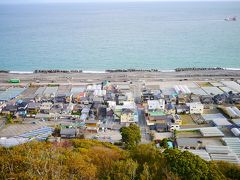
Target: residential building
147, 96
127, 116
177, 119
154, 105
196, 108
60, 98
68, 133
92, 125
9, 109
46, 107
22, 108
170, 108
33, 107
182, 109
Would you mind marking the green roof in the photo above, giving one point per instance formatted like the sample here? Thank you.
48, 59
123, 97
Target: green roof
14, 81
156, 113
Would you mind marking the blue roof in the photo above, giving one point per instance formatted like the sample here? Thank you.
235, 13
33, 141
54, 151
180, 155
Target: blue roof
19, 101
11, 93
170, 144
42, 132
170, 106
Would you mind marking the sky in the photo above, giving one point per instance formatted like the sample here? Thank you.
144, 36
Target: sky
63, 1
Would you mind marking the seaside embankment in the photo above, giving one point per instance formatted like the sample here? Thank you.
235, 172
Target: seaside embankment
88, 77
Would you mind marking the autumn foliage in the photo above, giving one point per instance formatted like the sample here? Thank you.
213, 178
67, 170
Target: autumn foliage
90, 159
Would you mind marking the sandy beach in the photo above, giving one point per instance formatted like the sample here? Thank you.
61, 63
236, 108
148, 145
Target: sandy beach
88, 78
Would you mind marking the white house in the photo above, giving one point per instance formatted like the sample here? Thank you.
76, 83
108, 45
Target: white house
156, 104
196, 108
112, 104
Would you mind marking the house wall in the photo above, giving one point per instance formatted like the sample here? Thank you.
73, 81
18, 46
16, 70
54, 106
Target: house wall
127, 117
156, 104
2, 106
196, 108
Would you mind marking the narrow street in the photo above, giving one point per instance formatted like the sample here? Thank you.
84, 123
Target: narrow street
137, 89
144, 128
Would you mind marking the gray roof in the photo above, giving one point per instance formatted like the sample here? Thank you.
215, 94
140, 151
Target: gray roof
234, 144
10, 107
63, 89
192, 142
198, 91
211, 132
218, 149
40, 91
13, 141
68, 131
232, 85
201, 153
209, 117
78, 89
51, 90
33, 105
231, 157
212, 90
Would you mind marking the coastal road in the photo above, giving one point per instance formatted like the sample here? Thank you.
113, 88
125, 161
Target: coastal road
87, 78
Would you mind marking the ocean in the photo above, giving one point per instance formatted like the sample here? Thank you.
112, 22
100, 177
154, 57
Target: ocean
100, 36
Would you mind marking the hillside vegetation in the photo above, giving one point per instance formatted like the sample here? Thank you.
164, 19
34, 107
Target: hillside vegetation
90, 160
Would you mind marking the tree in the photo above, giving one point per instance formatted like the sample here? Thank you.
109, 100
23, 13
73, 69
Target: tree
231, 171
131, 135
124, 169
9, 119
80, 168
145, 175
188, 166
164, 143
151, 163
91, 159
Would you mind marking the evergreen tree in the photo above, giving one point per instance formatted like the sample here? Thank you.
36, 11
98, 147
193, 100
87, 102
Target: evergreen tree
131, 135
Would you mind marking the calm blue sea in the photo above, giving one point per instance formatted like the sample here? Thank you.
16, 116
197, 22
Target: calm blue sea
99, 36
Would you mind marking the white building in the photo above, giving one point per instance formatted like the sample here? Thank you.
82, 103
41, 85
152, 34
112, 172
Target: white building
156, 104
112, 104
196, 108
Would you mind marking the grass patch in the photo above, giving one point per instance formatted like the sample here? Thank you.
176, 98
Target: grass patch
187, 120
53, 85
204, 84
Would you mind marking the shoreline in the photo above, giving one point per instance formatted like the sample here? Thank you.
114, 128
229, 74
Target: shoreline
118, 70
